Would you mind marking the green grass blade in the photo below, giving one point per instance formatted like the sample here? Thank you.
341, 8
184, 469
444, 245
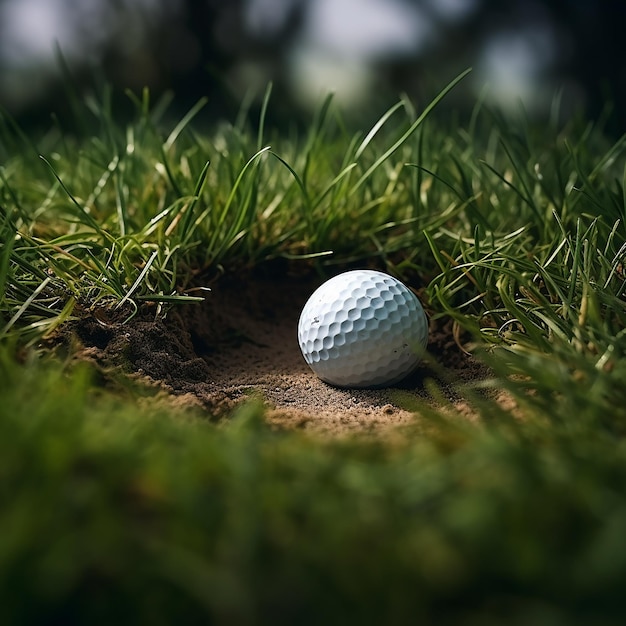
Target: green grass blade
412, 128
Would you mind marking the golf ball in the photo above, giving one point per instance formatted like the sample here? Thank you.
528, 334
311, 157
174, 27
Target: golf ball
362, 328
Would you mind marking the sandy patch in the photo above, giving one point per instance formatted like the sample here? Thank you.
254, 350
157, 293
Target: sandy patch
242, 342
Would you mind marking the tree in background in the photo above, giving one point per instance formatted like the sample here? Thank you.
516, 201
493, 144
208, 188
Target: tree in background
221, 49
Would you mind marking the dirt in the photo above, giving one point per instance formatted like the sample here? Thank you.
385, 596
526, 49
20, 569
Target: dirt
242, 342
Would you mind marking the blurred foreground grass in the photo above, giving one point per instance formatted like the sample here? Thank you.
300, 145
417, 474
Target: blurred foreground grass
128, 512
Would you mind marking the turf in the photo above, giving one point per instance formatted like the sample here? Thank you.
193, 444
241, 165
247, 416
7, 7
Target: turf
122, 509
119, 507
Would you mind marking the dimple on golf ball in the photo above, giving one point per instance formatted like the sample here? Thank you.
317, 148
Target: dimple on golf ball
362, 328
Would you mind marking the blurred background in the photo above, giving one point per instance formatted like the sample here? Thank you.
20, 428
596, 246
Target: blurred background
539, 54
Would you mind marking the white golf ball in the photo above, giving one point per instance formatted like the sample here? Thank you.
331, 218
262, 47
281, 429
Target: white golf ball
363, 328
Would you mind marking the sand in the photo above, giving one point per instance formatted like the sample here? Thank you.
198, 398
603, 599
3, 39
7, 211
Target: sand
242, 342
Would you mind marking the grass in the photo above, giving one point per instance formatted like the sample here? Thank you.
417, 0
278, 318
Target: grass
122, 509
118, 508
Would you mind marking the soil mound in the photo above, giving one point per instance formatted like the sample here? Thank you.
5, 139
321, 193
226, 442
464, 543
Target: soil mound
242, 341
